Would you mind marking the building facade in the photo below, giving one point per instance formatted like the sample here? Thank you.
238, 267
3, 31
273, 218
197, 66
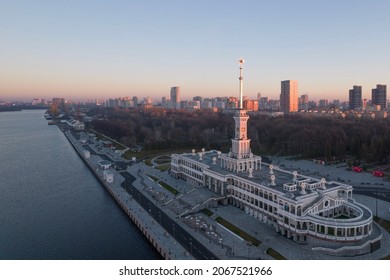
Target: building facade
251, 105
355, 98
175, 97
297, 206
379, 96
289, 96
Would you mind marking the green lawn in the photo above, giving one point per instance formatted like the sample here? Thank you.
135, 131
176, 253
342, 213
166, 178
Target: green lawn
275, 254
164, 185
163, 167
153, 178
208, 212
169, 188
383, 223
238, 231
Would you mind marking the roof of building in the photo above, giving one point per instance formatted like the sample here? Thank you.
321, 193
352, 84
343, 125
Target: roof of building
283, 178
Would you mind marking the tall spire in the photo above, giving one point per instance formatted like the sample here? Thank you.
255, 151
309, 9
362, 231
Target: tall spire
241, 62
240, 143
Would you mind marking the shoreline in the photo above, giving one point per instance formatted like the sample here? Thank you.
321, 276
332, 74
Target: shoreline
165, 245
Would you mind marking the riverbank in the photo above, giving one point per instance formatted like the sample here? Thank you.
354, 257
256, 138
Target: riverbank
157, 236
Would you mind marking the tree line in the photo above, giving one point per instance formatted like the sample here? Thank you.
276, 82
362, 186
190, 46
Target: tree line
293, 135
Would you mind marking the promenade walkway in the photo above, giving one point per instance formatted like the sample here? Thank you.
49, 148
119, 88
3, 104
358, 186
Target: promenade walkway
168, 245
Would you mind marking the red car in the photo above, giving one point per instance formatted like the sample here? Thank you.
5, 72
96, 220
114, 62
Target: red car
357, 169
378, 173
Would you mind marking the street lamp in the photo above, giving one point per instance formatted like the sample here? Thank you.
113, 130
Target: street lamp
376, 206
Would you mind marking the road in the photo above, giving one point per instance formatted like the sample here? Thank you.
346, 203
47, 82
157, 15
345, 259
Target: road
196, 249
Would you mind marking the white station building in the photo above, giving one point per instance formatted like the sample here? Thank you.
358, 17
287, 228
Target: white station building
297, 206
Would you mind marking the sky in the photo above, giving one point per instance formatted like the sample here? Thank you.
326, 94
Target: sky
87, 49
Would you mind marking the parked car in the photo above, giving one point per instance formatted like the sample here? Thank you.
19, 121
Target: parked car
378, 173
357, 169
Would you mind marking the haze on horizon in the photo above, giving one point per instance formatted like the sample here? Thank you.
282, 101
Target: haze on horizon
106, 49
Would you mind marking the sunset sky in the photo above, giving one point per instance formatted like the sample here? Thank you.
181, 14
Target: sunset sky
84, 49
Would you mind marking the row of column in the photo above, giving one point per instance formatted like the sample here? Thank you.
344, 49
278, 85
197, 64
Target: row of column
329, 232
235, 165
215, 185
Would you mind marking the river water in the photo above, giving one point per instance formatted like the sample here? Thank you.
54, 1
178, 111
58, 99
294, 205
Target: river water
51, 206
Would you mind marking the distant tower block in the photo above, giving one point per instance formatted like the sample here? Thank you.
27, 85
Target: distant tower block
175, 97
289, 96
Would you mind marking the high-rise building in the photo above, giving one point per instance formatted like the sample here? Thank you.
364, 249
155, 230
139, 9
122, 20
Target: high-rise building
175, 97
303, 102
379, 96
135, 101
305, 98
58, 101
336, 103
289, 96
323, 103
197, 98
251, 105
355, 98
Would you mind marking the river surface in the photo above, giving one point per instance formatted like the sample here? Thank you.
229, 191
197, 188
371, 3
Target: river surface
51, 205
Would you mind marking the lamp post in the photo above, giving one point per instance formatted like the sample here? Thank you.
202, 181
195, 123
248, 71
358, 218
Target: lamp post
376, 207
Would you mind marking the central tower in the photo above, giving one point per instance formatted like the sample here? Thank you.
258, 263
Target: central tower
240, 157
240, 143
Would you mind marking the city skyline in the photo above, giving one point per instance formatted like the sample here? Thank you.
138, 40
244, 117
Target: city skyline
93, 49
